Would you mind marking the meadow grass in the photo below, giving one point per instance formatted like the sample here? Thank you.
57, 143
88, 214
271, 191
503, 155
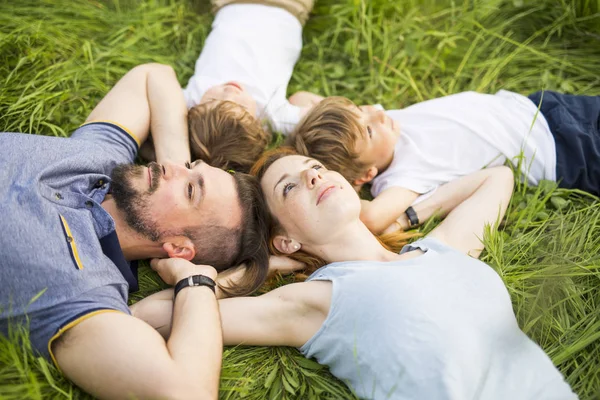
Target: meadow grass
58, 58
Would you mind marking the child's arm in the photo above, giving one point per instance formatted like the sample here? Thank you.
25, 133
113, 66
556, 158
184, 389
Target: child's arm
305, 99
383, 211
469, 204
284, 117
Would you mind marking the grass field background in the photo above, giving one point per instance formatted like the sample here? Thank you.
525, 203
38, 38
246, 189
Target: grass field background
58, 58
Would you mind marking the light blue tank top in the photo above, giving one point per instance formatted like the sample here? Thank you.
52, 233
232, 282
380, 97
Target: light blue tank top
437, 326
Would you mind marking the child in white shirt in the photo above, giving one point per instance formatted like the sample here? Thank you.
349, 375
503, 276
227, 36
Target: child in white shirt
406, 154
240, 81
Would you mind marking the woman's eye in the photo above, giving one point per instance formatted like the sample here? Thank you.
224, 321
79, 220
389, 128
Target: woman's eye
190, 191
369, 131
287, 188
188, 165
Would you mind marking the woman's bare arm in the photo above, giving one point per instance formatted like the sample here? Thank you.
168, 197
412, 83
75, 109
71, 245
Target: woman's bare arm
286, 316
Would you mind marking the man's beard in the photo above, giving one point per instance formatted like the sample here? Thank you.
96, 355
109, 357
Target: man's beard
132, 203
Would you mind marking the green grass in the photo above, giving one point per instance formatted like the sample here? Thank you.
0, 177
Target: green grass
58, 58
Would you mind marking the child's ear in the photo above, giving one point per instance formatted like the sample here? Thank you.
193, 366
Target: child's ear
367, 176
286, 245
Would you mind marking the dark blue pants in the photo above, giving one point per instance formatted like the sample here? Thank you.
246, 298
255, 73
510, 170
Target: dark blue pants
575, 124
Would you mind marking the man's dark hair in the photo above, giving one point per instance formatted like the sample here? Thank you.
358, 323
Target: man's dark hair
224, 248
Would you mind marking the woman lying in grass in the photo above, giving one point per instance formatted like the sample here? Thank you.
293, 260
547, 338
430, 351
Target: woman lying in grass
430, 322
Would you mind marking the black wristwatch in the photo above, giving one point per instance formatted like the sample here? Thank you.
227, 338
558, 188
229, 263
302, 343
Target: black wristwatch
412, 217
194, 280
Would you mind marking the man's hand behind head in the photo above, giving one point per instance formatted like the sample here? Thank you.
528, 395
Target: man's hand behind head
172, 270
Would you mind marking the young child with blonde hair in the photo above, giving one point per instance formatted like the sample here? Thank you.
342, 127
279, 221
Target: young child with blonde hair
238, 90
406, 154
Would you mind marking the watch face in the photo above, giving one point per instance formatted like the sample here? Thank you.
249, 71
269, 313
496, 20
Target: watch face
194, 280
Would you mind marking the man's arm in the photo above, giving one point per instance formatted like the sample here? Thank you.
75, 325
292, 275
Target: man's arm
116, 356
383, 210
286, 316
149, 98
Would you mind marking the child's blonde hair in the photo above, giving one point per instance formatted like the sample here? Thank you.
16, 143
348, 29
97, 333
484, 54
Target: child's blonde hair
329, 133
225, 135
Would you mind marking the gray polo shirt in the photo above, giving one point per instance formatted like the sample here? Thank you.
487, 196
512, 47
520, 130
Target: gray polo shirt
60, 259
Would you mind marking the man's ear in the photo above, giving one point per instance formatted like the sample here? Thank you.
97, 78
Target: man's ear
367, 176
179, 247
286, 245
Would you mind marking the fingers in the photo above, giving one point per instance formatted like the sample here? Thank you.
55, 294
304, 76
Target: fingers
165, 269
154, 263
172, 270
394, 227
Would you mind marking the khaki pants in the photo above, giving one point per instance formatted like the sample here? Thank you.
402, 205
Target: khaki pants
298, 8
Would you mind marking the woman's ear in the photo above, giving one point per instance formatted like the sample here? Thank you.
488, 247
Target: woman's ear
367, 176
286, 245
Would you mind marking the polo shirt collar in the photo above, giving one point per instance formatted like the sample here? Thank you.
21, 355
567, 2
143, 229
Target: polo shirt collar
112, 249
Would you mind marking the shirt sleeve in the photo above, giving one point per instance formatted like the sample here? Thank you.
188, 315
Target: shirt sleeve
386, 181
117, 143
48, 325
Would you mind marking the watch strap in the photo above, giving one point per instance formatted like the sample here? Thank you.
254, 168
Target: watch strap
194, 280
412, 217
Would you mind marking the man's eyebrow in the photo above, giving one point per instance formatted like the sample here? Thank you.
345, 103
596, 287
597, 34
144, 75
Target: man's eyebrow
200, 183
202, 191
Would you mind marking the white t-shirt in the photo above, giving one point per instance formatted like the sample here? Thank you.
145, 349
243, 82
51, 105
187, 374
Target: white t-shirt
255, 45
449, 137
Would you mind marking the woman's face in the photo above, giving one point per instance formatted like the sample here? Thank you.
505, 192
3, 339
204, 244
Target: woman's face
311, 203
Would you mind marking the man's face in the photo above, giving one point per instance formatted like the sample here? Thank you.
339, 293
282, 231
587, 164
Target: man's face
161, 200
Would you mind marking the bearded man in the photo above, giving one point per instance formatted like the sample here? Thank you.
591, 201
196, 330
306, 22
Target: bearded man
76, 213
